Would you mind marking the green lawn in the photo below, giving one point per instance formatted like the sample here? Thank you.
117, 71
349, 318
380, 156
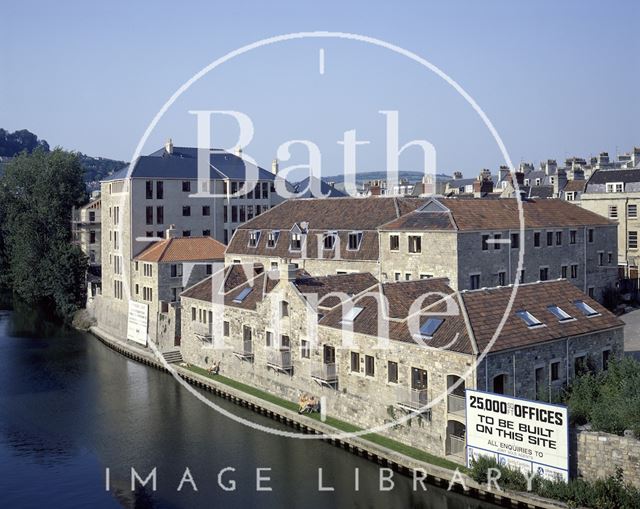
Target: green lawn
383, 441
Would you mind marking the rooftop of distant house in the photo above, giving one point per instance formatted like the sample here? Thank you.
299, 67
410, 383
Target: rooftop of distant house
183, 249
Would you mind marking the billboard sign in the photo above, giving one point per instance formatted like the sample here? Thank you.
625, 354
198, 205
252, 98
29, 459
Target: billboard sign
137, 322
530, 436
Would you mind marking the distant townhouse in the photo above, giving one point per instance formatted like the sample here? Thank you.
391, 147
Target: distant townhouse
86, 229
473, 243
375, 357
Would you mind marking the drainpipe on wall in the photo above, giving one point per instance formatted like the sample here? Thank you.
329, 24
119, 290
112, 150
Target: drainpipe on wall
513, 362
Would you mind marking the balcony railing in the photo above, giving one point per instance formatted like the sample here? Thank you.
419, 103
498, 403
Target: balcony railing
412, 399
325, 373
246, 351
456, 404
455, 445
279, 359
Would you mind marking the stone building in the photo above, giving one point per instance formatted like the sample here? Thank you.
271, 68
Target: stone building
473, 243
86, 229
162, 271
398, 355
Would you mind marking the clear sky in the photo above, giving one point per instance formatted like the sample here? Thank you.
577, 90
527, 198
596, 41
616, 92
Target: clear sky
557, 78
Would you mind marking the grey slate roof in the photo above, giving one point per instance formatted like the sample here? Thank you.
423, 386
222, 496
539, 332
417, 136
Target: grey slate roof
326, 190
182, 163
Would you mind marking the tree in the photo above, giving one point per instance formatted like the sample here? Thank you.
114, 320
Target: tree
37, 193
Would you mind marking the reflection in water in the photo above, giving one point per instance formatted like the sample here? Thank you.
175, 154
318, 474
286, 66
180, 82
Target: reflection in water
72, 408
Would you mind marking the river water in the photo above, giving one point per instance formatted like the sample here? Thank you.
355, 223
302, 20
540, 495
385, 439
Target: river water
70, 408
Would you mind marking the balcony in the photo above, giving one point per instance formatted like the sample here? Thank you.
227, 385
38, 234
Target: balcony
325, 374
280, 360
456, 405
245, 353
456, 446
412, 399
204, 332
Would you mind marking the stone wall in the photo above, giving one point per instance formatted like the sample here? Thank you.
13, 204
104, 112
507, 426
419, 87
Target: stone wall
598, 455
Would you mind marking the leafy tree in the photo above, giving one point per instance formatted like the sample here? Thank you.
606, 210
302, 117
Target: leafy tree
37, 193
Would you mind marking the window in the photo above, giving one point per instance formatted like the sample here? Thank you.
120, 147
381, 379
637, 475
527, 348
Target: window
234, 213
485, 242
206, 233
247, 333
160, 215
590, 292
536, 239
117, 289
186, 210
515, 240
430, 326
92, 216
369, 365
147, 270
147, 294
415, 243
92, 237
606, 355
496, 244
355, 362
305, 349
296, 242
499, 384
285, 342
600, 259
502, 278
351, 314
559, 313
160, 234
186, 233
632, 210
193, 314
284, 308
392, 372
394, 242
225, 329
555, 371
521, 280
590, 234
186, 186
354, 241
615, 187
175, 293
563, 271
558, 238
549, 238
572, 236
544, 273
407, 276
149, 189
329, 240
254, 238
632, 239
475, 281
159, 189
206, 210
570, 195
613, 212
528, 318
272, 238
574, 271
243, 215
586, 309
397, 276
242, 295
176, 270
580, 365
609, 258
208, 269
149, 215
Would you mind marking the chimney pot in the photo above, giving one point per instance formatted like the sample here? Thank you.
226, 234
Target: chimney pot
168, 146
171, 232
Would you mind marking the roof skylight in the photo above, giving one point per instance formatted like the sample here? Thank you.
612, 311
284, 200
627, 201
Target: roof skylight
559, 313
528, 318
242, 295
586, 309
430, 326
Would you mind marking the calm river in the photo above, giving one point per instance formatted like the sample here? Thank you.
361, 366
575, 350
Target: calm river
70, 408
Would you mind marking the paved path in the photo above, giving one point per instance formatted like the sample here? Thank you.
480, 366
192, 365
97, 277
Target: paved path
632, 333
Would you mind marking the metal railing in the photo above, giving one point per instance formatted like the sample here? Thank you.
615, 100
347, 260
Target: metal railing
412, 398
456, 445
456, 404
326, 372
279, 359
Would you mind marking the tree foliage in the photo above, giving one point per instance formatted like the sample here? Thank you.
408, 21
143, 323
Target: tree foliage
11, 144
38, 261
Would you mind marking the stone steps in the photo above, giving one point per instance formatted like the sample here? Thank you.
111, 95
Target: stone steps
172, 357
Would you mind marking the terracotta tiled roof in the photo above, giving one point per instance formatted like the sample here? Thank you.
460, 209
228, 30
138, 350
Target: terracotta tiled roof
321, 287
486, 308
183, 249
499, 214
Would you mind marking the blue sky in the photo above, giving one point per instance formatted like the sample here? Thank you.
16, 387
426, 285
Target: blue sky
556, 78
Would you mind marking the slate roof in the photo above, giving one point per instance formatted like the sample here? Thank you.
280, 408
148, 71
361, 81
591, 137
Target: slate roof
498, 215
626, 176
321, 287
183, 249
325, 189
575, 186
182, 163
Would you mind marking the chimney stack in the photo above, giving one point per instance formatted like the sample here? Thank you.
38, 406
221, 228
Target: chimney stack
559, 182
288, 271
457, 175
168, 146
274, 166
171, 232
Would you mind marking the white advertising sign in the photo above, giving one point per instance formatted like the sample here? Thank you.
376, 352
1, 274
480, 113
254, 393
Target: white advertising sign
137, 322
518, 433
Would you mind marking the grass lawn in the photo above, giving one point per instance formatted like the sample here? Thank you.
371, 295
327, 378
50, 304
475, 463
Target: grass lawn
383, 441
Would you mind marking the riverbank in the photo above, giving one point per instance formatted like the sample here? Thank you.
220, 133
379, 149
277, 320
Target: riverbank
385, 452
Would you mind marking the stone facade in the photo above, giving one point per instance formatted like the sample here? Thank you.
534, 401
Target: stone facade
87, 230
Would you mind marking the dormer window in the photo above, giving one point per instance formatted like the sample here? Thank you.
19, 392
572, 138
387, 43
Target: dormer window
329, 240
430, 326
355, 238
615, 187
559, 313
350, 316
585, 308
528, 318
254, 238
272, 238
296, 242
